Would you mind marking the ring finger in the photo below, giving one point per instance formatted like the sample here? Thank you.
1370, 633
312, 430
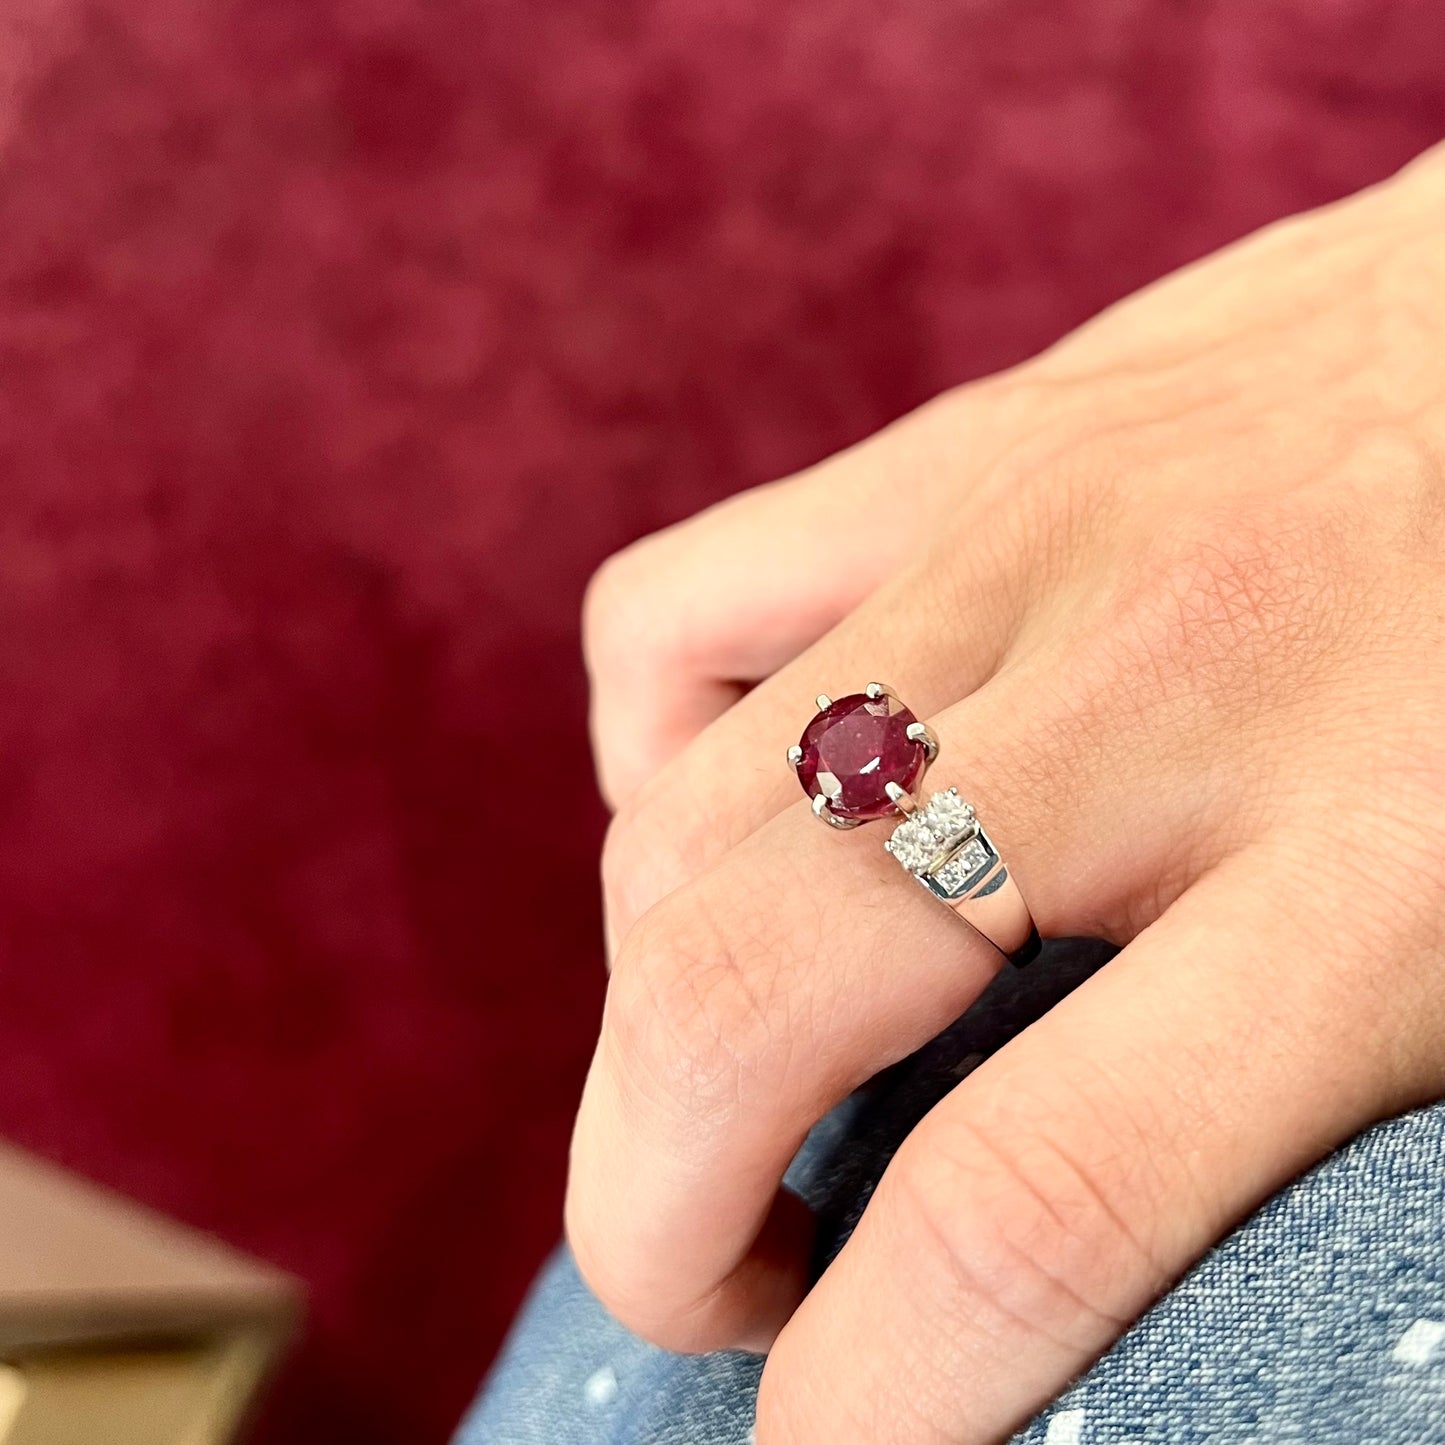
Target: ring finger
726, 783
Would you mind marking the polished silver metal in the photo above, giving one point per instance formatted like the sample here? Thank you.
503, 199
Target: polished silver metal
901, 798
875, 690
824, 702
795, 757
945, 847
823, 811
921, 733
987, 898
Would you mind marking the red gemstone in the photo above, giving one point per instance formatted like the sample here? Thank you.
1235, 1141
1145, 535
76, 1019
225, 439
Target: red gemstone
853, 749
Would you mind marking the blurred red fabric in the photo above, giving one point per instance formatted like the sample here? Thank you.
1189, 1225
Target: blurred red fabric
339, 340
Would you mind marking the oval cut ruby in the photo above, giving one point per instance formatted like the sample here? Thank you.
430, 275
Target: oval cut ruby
853, 749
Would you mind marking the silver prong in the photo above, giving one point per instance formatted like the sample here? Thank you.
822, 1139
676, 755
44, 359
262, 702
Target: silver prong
900, 798
824, 702
921, 733
795, 757
822, 810
875, 690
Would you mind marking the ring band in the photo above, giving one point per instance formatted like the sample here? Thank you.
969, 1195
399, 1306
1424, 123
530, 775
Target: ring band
859, 760
945, 847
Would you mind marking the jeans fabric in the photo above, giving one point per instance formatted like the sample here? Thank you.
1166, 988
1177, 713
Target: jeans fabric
1320, 1320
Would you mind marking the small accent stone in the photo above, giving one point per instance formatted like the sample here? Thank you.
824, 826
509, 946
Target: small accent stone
853, 749
955, 874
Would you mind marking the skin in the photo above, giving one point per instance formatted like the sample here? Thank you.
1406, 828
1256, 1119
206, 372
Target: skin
1172, 595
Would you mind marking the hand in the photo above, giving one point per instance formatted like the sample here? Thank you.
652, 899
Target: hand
1173, 597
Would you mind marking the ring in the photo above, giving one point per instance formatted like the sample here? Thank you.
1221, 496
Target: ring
860, 759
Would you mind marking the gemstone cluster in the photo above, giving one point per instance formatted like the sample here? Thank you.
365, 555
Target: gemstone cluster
930, 834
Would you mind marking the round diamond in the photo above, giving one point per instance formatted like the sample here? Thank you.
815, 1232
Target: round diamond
949, 814
854, 748
914, 845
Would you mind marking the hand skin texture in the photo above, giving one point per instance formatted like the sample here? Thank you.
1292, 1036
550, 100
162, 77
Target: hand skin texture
1172, 595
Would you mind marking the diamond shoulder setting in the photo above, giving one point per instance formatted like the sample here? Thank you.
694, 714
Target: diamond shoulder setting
933, 831
943, 846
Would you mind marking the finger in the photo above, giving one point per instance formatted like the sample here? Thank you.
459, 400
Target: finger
678, 626
733, 778
1044, 1204
750, 1001
730, 1027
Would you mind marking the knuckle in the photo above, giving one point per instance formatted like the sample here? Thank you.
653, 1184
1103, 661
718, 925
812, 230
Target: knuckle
1042, 491
1227, 599
627, 1289
596, 1260
691, 1023
616, 608
1394, 463
1030, 1234
643, 860
622, 851
635, 1296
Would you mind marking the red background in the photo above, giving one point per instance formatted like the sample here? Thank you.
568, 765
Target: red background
339, 340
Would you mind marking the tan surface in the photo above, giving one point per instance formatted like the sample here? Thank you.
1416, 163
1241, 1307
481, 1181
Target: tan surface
78, 1262
119, 1327
157, 1397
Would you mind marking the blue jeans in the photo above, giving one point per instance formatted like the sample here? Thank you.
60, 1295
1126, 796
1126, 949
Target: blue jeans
1320, 1320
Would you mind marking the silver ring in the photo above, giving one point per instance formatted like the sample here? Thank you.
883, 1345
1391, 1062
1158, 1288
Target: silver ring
860, 759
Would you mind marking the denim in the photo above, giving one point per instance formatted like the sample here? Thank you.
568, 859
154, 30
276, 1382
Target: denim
1320, 1320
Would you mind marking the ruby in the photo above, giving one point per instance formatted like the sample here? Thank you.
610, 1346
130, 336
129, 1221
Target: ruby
853, 749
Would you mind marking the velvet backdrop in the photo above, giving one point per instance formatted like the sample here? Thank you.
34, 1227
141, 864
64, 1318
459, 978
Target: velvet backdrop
339, 339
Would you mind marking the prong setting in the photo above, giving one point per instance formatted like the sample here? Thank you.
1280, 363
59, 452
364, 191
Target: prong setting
921, 733
795, 757
901, 798
823, 811
874, 690
824, 702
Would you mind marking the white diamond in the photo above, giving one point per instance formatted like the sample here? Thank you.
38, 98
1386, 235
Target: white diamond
964, 865
952, 877
948, 814
913, 845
